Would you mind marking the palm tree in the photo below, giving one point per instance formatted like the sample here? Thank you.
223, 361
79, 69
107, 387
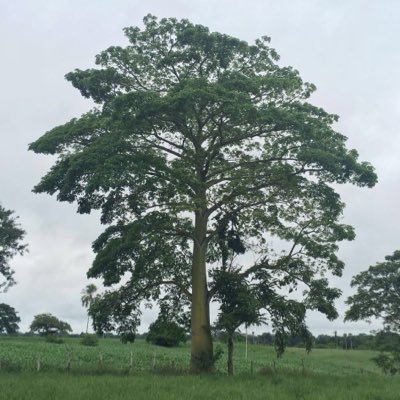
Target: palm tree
87, 299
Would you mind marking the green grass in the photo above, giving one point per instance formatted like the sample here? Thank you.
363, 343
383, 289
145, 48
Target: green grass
21, 354
160, 373
281, 386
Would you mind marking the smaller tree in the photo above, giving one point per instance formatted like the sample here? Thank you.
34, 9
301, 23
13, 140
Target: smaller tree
11, 236
378, 293
111, 312
238, 305
172, 323
8, 319
378, 296
89, 340
165, 332
87, 299
47, 324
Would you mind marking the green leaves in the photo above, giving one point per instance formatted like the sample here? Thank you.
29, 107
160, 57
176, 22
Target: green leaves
239, 303
46, 324
164, 332
99, 85
378, 293
8, 319
154, 249
11, 236
72, 136
111, 311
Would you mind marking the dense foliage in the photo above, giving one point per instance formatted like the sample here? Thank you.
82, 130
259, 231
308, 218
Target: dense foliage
202, 144
89, 340
8, 319
47, 324
112, 313
378, 296
163, 332
378, 293
11, 237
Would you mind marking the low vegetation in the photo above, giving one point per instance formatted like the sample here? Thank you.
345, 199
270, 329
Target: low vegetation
20, 354
113, 370
89, 340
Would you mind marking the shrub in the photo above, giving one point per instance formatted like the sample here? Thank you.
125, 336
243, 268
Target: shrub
128, 337
54, 339
389, 358
165, 333
387, 363
89, 340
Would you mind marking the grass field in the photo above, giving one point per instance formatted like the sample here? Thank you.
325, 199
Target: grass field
158, 373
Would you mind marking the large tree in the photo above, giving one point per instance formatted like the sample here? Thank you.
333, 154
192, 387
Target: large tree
195, 132
11, 237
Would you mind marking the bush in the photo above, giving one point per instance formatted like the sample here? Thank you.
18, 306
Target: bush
128, 337
389, 358
387, 363
165, 333
54, 339
89, 340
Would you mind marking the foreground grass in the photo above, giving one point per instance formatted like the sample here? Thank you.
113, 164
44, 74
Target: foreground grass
51, 386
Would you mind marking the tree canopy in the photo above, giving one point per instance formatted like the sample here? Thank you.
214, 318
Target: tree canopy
11, 236
378, 296
8, 319
378, 293
47, 324
200, 138
113, 312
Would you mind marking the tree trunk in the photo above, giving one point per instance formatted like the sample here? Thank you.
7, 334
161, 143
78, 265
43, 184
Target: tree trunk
230, 355
202, 347
87, 325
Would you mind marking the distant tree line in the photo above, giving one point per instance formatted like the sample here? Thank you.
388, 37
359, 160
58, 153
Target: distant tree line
381, 340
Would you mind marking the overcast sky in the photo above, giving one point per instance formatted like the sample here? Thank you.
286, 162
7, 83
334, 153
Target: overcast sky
347, 48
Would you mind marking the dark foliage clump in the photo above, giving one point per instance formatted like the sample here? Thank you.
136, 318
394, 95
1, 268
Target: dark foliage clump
165, 333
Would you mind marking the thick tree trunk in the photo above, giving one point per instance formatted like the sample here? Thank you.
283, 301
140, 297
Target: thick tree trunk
230, 355
202, 347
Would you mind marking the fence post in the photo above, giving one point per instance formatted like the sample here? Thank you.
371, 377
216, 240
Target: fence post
69, 359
